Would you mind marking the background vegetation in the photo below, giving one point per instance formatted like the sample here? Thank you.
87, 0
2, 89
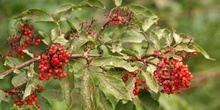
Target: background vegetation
197, 18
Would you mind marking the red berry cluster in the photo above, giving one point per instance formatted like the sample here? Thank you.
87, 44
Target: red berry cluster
172, 75
32, 99
117, 19
137, 84
52, 63
22, 40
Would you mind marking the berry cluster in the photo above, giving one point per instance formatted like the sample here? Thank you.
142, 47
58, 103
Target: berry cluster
172, 75
17, 95
121, 16
52, 63
117, 19
138, 82
22, 40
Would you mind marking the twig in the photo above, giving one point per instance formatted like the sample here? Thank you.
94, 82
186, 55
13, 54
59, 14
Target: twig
101, 30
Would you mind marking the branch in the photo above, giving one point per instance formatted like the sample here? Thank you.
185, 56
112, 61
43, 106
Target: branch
20, 66
38, 58
101, 30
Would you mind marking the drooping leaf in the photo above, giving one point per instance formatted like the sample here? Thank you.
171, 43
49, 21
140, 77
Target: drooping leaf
87, 91
19, 79
27, 91
36, 14
151, 81
148, 102
126, 105
112, 61
202, 51
132, 36
114, 86
118, 2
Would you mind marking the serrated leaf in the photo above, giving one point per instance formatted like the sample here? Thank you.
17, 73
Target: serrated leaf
12, 62
46, 39
125, 106
132, 36
112, 61
118, 2
114, 86
149, 22
148, 102
202, 51
19, 79
151, 81
36, 14
27, 91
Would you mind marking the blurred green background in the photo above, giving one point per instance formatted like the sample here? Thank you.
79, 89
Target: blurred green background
197, 18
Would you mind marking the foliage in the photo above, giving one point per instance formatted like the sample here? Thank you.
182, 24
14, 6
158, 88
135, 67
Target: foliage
108, 65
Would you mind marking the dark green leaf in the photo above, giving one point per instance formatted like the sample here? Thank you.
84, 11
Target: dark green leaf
19, 79
114, 86
202, 51
6, 106
44, 103
132, 36
112, 61
129, 105
148, 102
151, 81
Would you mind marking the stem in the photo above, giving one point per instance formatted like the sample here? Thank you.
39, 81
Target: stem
101, 30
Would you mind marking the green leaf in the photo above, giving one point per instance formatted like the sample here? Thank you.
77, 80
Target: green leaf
72, 25
64, 8
118, 2
149, 22
2, 96
19, 79
12, 62
151, 81
148, 102
104, 101
112, 61
27, 91
113, 86
60, 39
66, 15
176, 37
6, 105
44, 103
46, 39
202, 51
96, 3
36, 14
53, 94
130, 86
28, 53
132, 36
87, 91
125, 105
